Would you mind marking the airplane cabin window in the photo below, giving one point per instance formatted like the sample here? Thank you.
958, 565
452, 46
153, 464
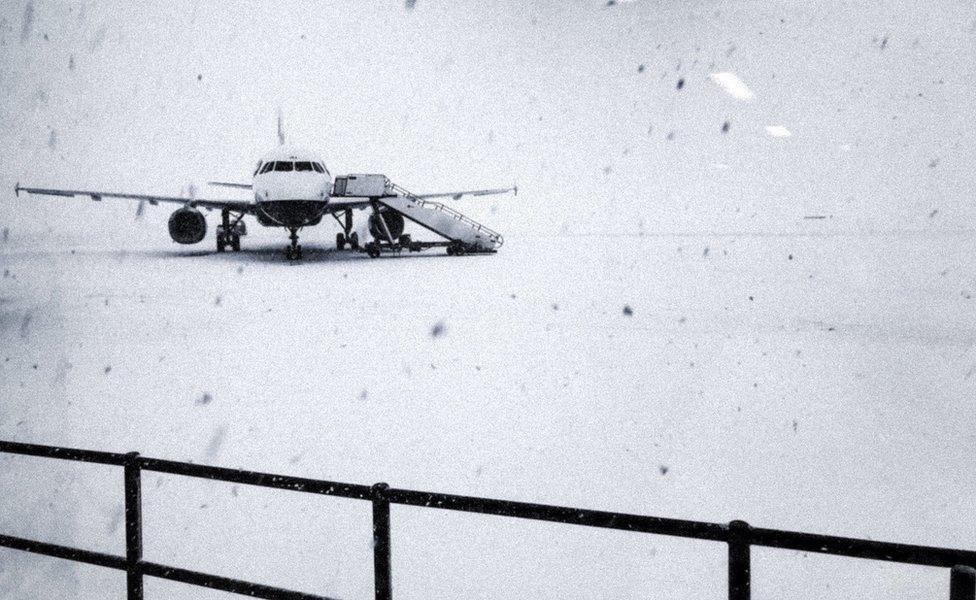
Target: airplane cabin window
284, 166
303, 166
318, 168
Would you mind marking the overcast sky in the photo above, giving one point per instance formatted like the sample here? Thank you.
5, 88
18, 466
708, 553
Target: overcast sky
579, 102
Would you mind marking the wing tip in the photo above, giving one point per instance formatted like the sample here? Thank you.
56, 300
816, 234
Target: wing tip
17, 189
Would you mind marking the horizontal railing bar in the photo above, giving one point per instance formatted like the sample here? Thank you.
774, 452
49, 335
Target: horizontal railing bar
772, 538
562, 514
225, 584
99, 559
930, 556
285, 482
66, 552
89, 456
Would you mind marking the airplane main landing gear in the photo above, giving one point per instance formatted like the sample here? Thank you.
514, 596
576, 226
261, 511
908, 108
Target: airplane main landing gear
348, 236
229, 234
293, 251
230, 239
352, 239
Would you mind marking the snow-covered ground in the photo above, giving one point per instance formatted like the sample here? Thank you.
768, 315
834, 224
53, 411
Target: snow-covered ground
818, 382
665, 331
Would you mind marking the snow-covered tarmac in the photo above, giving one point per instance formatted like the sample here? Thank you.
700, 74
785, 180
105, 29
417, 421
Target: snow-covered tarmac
820, 382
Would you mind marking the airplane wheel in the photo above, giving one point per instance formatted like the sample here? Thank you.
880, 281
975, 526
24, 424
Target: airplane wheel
340, 241
354, 240
235, 243
298, 252
221, 244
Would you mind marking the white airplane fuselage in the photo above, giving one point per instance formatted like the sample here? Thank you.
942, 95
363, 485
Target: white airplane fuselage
291, 188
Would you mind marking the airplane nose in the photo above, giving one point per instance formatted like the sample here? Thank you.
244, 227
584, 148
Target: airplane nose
296, 190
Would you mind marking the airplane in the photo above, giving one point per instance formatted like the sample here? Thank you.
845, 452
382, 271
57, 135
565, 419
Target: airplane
293, 189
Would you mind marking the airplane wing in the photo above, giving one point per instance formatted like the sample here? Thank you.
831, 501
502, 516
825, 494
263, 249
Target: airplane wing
337, 203
239, 186
235, 205
458, 195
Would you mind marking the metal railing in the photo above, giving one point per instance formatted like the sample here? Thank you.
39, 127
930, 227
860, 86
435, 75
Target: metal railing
738, 535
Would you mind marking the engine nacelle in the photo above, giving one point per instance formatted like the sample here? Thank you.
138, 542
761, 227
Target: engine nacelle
394, 222
187, 226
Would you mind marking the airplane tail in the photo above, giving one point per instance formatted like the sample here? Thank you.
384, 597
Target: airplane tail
281, 128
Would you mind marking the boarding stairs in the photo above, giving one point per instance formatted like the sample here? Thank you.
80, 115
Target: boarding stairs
442, 220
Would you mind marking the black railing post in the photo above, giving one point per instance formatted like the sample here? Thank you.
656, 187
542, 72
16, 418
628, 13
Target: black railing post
739, 555
382, 570
133, 525
962, 583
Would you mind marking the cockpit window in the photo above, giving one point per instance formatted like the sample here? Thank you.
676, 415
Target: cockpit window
257, 169
288, 166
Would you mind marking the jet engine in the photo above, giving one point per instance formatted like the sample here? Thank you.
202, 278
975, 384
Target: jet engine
187, 226
394, 222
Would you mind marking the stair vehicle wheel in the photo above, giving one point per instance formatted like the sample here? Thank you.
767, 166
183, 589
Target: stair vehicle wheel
353, 240
460, 250
340, 241
372, 249
405, 240
450, 249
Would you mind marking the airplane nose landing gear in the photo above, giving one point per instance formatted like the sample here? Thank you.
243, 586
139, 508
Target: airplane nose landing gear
293, 251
